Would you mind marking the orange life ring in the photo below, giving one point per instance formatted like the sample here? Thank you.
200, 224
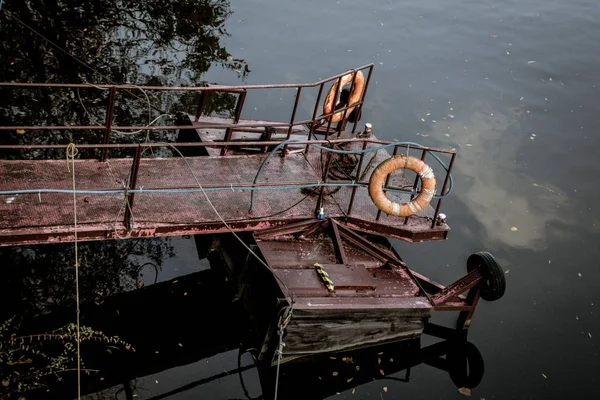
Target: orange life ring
380, 174
357, 90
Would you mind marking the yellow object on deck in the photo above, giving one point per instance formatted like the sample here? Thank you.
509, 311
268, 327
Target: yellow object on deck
324, 277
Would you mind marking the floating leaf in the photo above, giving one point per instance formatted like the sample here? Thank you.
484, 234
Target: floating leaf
381, 372
465, 391
385, 389
349, 380
20, 131
514, 229
544, 375
335, 373
5, 383
353, 390
180, 345
357, 368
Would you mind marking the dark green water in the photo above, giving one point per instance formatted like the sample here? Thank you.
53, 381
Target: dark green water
512, 85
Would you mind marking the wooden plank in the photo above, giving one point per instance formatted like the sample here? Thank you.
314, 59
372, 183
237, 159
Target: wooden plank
347, 331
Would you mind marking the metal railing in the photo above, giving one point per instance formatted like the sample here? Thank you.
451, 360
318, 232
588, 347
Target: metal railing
240, 90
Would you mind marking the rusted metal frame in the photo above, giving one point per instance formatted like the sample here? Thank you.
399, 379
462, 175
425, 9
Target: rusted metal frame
86, 232
135, 167
323, 180
439, 203
358, 173
201, 105
362, 99
464, 318
238, 112
367, 246
338, 246
387, 182
192, 144
289, 132
286, 229
314, 228
189, 88
429, 286
342, 123
267, 137
109, 117
460, 286
412, 196
314, 116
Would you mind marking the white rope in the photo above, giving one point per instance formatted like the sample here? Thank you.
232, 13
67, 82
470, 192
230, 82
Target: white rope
71, 154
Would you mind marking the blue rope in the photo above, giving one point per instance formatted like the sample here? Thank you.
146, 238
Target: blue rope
179, 191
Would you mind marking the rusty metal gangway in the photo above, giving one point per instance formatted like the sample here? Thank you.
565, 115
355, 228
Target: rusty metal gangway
136, 195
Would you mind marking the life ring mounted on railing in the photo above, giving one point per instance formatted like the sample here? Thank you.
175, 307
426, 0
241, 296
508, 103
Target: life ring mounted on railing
357, 90
390, 165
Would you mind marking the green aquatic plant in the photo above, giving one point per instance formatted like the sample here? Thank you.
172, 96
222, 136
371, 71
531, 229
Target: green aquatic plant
31, 361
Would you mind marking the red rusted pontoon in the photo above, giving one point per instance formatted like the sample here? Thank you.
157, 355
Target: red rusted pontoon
286, 207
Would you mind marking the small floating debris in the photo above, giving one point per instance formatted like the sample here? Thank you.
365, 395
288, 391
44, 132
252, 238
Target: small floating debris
465, 391
514, 229
530, 62
544, 375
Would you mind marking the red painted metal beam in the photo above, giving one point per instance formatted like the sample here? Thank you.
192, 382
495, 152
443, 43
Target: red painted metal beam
460, 286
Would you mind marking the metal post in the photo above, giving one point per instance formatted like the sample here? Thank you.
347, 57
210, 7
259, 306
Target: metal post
358, 174
236, 119
109, 117
324, 180
135, 167
289, 133
387, 182
439, 204
314, 117
362, 100
423, 154
464, 318
202, 104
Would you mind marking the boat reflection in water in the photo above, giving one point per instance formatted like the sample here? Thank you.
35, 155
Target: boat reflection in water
178, 326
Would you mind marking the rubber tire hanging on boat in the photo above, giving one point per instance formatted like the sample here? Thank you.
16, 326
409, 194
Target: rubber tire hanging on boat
465, 365
401, 161
493, 285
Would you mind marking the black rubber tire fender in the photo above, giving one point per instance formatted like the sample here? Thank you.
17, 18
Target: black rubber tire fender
465, 365
493, 285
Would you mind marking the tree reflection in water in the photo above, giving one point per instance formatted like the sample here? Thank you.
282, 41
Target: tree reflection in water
141, 42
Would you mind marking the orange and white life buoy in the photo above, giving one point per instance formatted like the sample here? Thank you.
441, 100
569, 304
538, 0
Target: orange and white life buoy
390, 165
357, 90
